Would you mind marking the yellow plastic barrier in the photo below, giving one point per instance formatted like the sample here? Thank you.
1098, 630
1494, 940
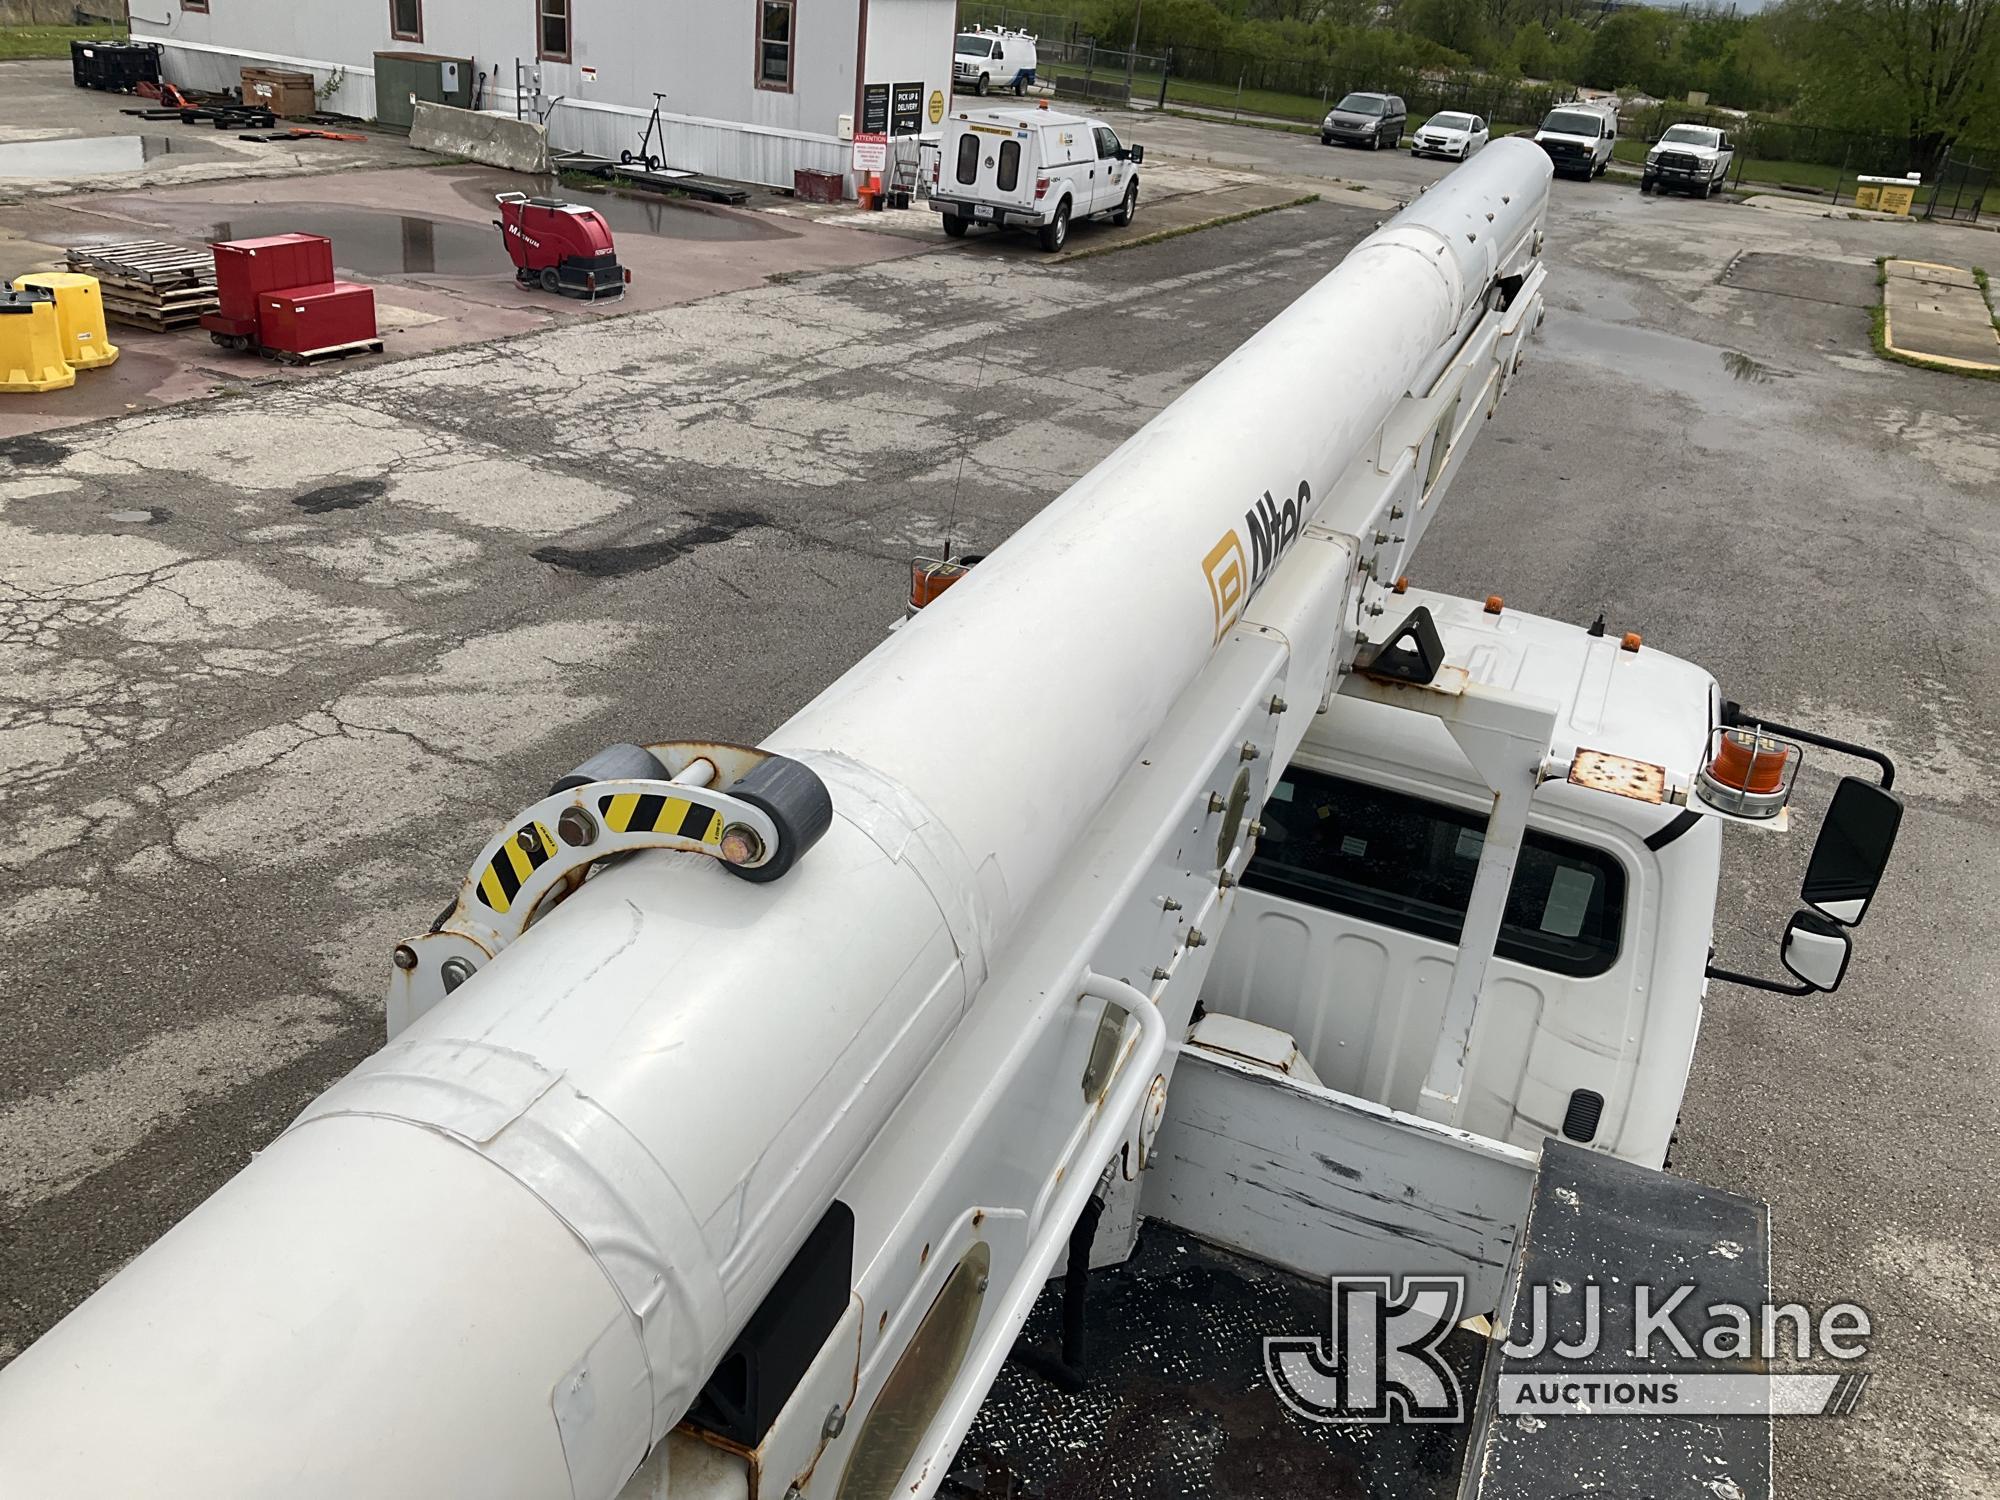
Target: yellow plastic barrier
31, 355
80, 315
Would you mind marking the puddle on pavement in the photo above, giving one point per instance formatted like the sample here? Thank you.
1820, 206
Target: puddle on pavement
87, 156
1668, 362
369, 243
669, 218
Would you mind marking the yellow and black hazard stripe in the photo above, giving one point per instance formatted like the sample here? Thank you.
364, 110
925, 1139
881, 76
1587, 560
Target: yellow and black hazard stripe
526, 851
633, 812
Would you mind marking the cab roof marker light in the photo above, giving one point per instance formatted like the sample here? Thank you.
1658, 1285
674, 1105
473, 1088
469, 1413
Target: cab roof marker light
1748, 773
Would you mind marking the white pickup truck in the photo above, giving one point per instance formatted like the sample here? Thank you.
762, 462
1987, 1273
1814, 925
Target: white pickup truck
1033, 169
1689, 159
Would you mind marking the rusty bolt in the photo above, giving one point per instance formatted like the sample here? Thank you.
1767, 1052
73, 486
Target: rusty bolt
1278, 705
405, 957
836, 1419
1225, 879
576, 827
1195, 939
741, 844
454, 972
1159, 974
1256, 830
1250, 751
1215, 802
1168, 903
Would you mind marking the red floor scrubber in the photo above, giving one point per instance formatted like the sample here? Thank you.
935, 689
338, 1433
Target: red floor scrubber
561, 247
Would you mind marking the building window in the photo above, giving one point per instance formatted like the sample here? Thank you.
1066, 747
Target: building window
1408, 863
552, 25
774, 45
199, 7
406, 20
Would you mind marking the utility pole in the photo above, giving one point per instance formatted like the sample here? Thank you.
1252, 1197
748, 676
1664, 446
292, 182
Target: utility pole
1132, 52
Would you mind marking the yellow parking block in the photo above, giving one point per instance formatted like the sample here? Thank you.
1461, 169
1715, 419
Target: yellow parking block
31, 355
79, 314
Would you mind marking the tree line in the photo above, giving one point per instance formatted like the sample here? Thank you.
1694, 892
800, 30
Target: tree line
1926, 72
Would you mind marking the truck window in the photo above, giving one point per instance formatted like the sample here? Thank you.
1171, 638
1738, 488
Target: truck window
968, 158
1009, 171
1107, 144
1408, 863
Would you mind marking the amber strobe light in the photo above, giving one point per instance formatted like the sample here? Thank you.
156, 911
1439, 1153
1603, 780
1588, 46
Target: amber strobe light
930, 576
1748, 772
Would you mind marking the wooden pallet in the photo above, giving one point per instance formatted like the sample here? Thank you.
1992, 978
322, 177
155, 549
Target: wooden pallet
159, 319
147, 263
317, 356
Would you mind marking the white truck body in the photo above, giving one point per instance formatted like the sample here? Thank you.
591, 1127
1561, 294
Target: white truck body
840, 1127
1033, 168
1689, 159
986, 60
1579, 138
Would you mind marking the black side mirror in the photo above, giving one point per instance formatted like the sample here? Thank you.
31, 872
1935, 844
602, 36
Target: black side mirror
1135, 154
1815, 951
1852, 850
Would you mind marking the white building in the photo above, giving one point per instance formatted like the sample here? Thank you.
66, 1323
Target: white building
753, 88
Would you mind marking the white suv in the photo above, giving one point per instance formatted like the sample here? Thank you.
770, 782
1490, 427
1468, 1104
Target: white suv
1033, 168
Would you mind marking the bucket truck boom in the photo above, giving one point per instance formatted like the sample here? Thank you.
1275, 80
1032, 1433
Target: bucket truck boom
733, 1165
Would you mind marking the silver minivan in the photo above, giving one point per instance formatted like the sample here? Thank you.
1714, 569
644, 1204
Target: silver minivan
1373, 120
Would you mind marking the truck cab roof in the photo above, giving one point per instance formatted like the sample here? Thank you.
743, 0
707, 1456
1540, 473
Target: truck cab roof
1644, 703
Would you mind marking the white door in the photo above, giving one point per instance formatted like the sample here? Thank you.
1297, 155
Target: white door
1110, 172
990, 164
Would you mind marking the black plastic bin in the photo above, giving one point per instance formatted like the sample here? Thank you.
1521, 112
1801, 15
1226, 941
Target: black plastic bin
116, 66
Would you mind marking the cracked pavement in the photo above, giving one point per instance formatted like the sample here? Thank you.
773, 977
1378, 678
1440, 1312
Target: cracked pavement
273, 666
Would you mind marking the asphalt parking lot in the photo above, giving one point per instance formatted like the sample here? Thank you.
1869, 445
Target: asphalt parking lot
273, 663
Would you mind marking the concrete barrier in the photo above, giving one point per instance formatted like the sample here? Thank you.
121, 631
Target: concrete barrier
495, 140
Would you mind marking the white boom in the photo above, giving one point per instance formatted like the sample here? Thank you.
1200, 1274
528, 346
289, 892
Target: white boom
503, 1256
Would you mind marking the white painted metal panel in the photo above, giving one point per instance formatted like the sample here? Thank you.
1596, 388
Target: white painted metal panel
1319, 1182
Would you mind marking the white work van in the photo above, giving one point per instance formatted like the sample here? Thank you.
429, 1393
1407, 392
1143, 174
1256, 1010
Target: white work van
1033, 169
983, 60
1579, 139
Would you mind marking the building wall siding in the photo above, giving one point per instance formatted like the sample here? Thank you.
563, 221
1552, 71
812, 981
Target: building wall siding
701, 54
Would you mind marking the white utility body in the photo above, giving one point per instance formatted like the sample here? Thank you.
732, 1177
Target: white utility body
1033, 168
1178, 892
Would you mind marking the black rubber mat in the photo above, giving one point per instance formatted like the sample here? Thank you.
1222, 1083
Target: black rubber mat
1178, 1405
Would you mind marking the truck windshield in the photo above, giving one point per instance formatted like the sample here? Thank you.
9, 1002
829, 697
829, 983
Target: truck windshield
1574, 122
975, 46
1361, 104
1408, 863
1688, 135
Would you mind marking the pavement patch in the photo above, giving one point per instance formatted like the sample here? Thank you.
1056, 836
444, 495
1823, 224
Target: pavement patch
616, 562
1937, 315
350, 496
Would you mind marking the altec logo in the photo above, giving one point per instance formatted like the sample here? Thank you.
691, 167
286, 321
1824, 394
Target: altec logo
1272, 526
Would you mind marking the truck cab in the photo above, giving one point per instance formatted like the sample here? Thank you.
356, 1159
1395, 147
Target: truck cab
1689, 158
1346, 926
1037, 169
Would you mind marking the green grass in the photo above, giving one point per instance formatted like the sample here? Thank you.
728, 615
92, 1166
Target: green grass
52, 41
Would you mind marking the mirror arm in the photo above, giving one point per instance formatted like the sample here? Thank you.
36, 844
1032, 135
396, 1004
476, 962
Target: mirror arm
1751, 981
1734, 717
